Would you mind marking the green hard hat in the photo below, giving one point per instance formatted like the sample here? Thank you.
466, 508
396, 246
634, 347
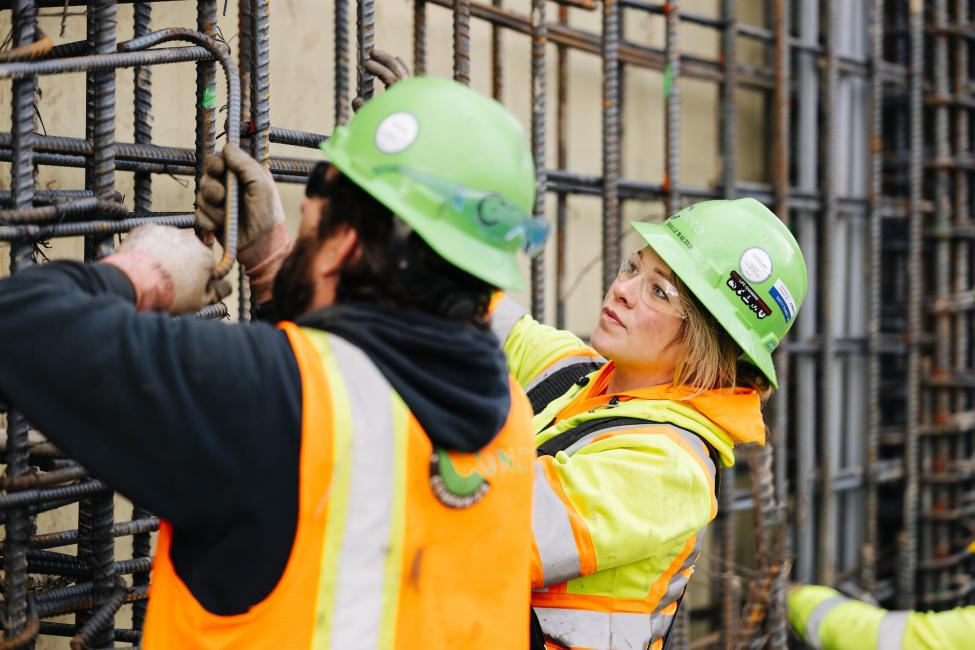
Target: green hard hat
452, 164
742, 264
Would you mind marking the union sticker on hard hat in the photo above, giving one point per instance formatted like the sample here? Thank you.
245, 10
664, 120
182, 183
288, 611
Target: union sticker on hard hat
756, 265
396, 132
783, 298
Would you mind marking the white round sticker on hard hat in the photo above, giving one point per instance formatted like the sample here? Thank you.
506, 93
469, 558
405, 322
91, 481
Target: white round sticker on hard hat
396, 132
756, 265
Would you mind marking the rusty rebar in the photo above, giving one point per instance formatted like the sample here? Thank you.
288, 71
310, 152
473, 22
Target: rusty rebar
538, 118
611, 235
727, 584
462, 41
562, 162
341, 27
907, 540
365, 20
143, 107
671, 79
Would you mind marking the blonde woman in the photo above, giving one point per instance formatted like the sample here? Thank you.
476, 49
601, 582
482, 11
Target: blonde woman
630, 430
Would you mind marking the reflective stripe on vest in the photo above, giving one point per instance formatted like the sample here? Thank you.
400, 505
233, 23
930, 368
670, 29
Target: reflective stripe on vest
580, 628
890, 634
355, 579
503, 318
816, 619
553, 532
583, 628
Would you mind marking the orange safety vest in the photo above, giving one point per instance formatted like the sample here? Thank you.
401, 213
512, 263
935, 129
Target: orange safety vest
398, 545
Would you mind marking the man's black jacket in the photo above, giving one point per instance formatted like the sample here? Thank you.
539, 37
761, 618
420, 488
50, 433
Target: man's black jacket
200, 422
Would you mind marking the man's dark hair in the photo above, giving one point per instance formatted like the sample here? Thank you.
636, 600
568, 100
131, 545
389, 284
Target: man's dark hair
396, 267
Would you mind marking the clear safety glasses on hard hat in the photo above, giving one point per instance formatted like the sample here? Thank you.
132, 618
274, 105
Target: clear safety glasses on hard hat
656, 290
488, 214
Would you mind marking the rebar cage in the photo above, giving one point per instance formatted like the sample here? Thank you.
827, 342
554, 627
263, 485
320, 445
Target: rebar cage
865, 151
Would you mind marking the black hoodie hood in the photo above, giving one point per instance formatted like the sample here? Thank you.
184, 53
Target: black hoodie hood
453, 377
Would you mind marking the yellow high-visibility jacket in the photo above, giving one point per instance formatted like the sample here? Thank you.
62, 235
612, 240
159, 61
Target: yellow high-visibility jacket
827, 620
619, 516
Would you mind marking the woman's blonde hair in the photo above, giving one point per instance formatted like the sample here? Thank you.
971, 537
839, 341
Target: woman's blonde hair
709, 357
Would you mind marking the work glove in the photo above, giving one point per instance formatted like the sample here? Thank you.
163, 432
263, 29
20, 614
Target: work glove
170, 269
387, 68
262, 239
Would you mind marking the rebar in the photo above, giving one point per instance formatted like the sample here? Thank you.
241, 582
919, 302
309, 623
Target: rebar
365, 20
611, 145
728, 587
538, 97
341, 27
907, 542
143, 107
671, 95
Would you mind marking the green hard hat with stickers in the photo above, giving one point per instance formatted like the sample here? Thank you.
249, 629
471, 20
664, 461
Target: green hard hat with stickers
742, 264
452, 164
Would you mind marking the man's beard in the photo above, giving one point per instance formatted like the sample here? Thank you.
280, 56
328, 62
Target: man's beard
293, 286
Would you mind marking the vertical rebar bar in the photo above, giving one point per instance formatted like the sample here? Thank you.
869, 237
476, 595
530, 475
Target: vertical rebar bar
611, 144
672, 109
342, 61
419, 37
245, 58
245, 53
141, 547
562, 162
907, 564
827, 530
365, 21
103, 28
807, 166
143, 107
103, 15
462, 41
261, 81
141, 543
780, 19
260, 106
497, 53
206, 91
869, 556
933, 539
728, 610
962, 253
539, 87
18, 522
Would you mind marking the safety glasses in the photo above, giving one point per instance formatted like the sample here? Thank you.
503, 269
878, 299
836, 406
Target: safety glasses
656, 290
487, 214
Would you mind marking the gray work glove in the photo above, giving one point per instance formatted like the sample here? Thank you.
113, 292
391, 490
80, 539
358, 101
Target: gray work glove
262, 239
387, 68
170, 269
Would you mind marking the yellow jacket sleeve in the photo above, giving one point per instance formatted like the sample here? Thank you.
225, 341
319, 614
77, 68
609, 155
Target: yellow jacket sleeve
530, 346
826, 619
632, 497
